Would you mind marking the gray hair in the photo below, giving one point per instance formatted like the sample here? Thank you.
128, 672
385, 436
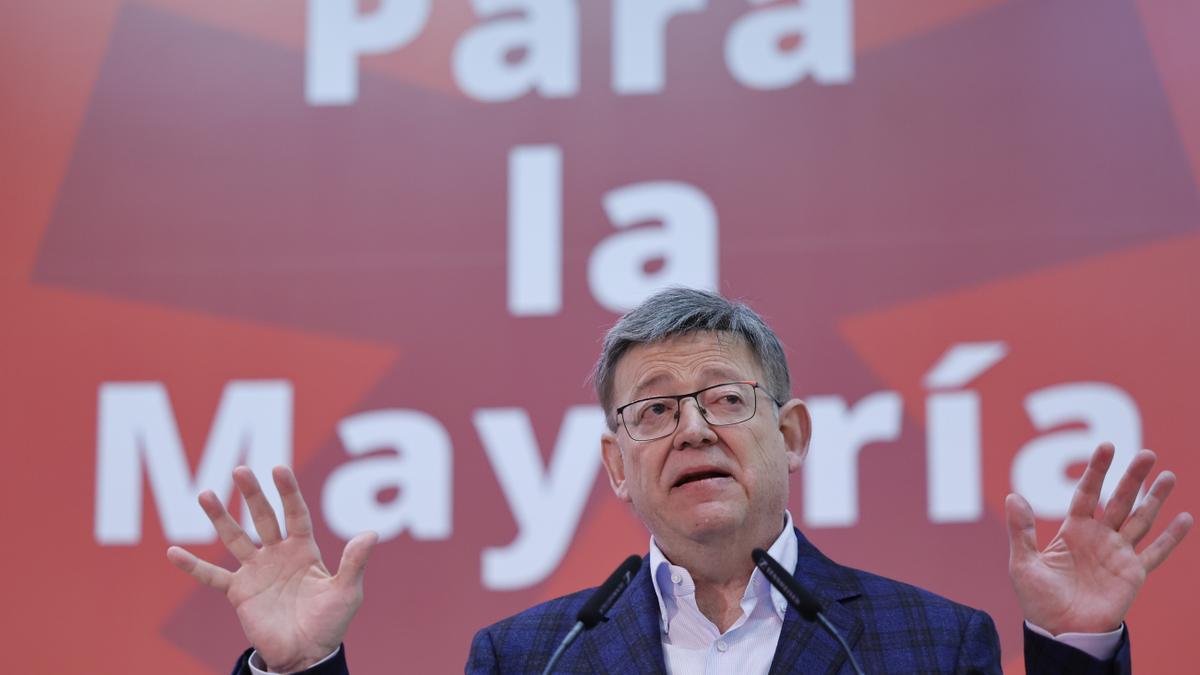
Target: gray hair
682, 311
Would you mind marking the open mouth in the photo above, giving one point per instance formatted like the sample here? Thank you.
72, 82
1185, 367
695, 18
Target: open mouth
697, 476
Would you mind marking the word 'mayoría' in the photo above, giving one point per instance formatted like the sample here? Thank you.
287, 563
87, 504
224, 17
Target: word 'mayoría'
410, 451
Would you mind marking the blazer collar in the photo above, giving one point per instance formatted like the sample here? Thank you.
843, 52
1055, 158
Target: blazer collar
631, 640
803, 645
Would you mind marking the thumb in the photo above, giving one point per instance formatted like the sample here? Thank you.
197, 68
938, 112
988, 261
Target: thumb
1022, 530
354, 559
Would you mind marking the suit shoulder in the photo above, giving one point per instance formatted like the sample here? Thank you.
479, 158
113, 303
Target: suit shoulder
557, 611
889, 596
527, 637
919, 630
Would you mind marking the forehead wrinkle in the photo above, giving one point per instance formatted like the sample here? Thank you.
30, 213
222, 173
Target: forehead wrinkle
686, 359
702, 372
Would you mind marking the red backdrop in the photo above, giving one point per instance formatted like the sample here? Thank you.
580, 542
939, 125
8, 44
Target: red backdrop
209, 230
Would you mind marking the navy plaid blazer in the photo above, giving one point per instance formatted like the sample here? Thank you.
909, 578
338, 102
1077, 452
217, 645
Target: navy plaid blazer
892, 627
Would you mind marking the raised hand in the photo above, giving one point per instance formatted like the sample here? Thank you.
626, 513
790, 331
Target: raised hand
292, 609
1088, 576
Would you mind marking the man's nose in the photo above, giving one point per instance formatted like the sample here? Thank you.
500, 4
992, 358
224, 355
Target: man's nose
694, 431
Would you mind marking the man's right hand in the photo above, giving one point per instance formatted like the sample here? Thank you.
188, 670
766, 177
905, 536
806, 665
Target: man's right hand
292, 609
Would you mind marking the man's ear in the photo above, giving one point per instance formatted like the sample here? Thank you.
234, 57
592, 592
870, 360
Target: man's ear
796, 426
614, 464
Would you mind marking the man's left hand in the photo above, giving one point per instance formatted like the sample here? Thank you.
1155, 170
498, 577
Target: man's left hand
1085, 580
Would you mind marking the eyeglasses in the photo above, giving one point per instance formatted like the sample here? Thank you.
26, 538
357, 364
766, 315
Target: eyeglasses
721, 405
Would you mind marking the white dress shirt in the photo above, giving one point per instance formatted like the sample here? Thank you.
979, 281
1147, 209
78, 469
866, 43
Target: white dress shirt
693, 644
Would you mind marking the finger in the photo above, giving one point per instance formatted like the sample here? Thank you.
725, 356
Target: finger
1022, 529
1143, 517
1122, 499
354, 559
295, 511
1087, 493
231, 534
1157, 552
203, 571
260, 510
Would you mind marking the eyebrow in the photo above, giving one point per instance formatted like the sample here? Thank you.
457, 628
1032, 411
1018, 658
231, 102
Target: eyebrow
643, 386
639, 392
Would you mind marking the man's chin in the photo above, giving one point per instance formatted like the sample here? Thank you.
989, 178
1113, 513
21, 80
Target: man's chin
699, 521
714, 520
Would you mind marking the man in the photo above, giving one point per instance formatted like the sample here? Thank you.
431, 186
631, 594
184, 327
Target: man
702, 436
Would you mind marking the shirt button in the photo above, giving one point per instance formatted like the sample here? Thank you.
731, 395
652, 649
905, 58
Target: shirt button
721, 646
676, 578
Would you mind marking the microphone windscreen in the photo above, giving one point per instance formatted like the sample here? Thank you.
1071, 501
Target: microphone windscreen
602, 600
780, 578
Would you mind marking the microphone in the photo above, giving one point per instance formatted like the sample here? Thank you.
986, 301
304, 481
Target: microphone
800, 598
597, 605
602, 600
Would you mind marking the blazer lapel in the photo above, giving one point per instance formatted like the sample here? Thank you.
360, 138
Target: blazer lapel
631, 640
805, 647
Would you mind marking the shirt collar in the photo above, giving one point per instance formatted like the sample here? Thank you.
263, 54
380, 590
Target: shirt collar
784, 549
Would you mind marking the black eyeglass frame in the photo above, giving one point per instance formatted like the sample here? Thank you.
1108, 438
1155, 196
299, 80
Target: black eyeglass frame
703, 413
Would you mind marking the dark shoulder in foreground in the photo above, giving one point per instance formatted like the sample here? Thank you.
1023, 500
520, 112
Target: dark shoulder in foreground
880, 603
524, 641
892, 626
883, 599
546, 616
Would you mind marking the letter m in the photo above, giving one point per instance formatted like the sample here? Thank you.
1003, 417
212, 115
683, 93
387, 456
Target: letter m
136, 429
